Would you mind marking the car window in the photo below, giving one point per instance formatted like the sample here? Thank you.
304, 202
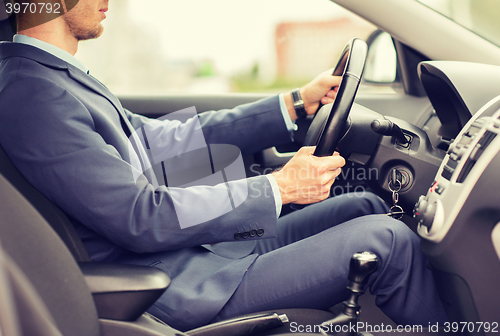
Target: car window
480, 16
159, 46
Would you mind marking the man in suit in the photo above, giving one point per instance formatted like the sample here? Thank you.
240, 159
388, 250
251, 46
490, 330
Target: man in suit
72, 139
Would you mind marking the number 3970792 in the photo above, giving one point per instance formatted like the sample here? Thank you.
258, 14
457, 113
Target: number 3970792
33, 8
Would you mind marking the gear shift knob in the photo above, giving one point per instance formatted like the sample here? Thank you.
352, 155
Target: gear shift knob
362, 264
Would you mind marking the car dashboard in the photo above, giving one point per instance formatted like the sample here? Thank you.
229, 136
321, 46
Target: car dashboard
458, 217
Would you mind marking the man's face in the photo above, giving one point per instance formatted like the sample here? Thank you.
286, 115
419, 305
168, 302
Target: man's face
84, 20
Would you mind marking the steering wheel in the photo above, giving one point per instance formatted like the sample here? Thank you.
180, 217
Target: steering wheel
328, 126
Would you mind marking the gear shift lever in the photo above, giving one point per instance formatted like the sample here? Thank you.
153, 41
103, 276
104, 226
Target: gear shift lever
361, 266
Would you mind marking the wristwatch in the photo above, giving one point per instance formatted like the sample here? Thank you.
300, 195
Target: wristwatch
298, 104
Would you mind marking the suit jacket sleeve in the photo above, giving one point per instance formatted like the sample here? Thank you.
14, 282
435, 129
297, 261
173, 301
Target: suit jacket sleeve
52, 138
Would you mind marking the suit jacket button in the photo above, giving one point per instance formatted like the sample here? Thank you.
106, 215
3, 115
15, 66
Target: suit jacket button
253, 233
260, 232
237, 236
245, 235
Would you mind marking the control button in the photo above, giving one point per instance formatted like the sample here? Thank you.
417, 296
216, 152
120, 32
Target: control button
452, 164
439, 189
245, 235
237, 236
428, 217
451, 149
447, 172
253, 233
461, 152
466, 139
474, 129
260, 232
420, 208
474, 154
433, 187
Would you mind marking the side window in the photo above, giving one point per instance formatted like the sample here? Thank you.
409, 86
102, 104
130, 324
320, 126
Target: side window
160, 46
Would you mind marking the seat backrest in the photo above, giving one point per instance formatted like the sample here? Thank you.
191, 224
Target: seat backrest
51, 212
41, 256
6, 32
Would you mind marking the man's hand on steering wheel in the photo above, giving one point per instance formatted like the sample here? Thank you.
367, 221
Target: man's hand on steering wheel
321, 89
307, 179
317, 161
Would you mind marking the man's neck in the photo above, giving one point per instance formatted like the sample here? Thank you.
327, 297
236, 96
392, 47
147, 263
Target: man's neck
56, 33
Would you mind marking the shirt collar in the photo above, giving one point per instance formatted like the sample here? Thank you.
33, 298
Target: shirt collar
51, 49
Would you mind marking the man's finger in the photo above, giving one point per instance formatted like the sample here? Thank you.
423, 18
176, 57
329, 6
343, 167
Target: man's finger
335, 161
333, 81
306, 150
327, 100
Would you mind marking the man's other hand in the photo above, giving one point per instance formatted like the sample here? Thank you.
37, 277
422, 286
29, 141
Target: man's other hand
307, 178
322, 89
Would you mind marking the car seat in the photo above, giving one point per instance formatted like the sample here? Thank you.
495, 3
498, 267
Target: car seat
51, 212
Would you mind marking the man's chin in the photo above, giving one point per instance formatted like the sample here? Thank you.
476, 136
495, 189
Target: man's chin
90, 35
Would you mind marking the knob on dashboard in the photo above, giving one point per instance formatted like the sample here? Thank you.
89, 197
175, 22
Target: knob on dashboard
429, 214
419, 209
424, 212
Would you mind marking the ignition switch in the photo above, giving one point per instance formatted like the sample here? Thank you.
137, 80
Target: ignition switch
401, 174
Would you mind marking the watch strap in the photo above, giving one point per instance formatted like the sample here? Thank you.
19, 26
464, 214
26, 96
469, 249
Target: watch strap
298, 104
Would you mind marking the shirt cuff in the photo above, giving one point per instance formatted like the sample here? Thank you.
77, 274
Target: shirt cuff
291, 126
276, 192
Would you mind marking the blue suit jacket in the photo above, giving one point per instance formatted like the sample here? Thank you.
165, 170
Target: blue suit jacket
69, 136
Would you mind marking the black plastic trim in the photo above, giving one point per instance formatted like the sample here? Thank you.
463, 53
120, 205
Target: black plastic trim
123, 292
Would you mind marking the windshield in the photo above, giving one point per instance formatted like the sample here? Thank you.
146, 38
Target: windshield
480, 16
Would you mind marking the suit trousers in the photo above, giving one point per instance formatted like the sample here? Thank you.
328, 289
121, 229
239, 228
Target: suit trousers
307, 265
